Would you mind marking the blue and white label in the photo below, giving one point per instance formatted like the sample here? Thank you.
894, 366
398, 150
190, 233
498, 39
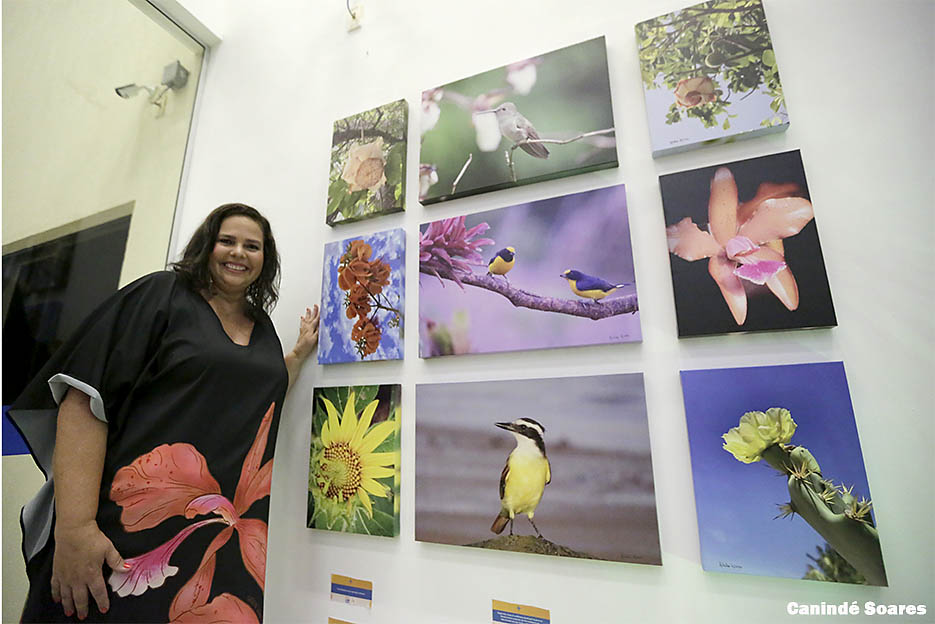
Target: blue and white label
351, 591
509, 613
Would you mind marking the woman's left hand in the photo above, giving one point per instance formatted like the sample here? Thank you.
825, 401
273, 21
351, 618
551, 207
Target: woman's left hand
308, 333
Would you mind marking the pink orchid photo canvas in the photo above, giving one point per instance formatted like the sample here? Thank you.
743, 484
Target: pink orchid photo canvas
744, 249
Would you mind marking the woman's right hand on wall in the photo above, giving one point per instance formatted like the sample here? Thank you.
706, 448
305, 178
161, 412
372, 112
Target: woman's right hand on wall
80, 553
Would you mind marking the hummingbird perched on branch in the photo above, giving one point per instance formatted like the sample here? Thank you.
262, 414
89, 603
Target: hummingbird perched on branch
517, 128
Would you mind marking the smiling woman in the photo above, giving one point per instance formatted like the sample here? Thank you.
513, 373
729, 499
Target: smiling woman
237, 256
135, 459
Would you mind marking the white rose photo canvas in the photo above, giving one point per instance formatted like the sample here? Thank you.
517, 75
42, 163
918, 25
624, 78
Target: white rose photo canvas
368, 164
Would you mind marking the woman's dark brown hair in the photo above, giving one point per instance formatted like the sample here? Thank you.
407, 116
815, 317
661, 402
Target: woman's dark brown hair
193, 267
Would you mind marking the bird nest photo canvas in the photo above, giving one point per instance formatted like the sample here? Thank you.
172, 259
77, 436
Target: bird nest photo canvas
368, 164
557, 467
744, 249
709, 76
354, 460
551, 273
780, 484
539, 118
362, 298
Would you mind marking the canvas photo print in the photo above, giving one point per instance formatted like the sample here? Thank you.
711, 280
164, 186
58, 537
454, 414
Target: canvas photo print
744, 249
354, 460
536, 119
368, 164
709, 76
363, 298
551, 273
557, 467
780, 483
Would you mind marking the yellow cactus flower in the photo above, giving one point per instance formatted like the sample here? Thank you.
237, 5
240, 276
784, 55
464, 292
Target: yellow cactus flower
347, 467
758, 431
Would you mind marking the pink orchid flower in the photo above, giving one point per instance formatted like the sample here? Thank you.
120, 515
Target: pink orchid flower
173, 480
745, 240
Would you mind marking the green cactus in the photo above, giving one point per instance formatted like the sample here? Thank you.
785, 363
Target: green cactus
831, 510
828, 565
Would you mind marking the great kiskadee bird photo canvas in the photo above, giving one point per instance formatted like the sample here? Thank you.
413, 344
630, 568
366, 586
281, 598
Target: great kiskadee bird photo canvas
525, 475
598, 504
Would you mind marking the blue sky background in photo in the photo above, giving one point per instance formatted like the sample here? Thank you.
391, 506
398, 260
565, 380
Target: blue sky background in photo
335, 343
737, 502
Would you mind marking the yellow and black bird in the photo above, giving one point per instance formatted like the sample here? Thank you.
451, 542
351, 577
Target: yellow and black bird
501, 263
525, 475
588, 286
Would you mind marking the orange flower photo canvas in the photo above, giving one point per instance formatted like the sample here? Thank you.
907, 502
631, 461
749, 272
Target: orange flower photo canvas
744, 248
362, 298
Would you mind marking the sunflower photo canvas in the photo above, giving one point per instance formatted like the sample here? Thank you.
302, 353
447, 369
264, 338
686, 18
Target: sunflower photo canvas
709, 76
744, 249
353, 472
558, 467
780, 483
362, 298
368, 164
538, 118
551, 273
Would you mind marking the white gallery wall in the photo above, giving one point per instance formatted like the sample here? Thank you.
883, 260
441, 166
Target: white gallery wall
858, 81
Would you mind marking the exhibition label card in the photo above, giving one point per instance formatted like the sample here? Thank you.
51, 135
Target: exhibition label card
509, 613
351, 591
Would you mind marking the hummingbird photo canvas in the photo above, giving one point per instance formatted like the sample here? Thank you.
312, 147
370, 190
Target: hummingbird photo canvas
539, 118
780, 482
556, 272
558, 467
709, 76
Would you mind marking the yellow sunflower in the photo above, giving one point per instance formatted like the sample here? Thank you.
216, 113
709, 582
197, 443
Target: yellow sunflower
347, 466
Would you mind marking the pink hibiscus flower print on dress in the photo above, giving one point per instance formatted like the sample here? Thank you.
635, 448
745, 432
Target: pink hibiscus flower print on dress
173, 480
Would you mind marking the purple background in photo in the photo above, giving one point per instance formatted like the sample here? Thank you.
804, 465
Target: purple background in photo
736, 502
585, 231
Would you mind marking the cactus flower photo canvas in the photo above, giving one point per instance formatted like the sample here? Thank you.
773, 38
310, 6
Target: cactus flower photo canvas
556, 272
368, 164
709, 76
744, 249
558, 467
538, 118
354, 460
362, 298
780, 483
